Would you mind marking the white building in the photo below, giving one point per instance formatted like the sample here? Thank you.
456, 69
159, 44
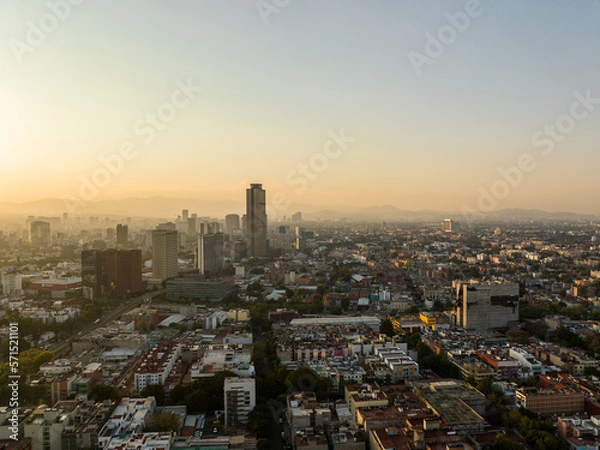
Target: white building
132, 415
12, 284
46, 425
240, 399
157, 365
530, 365
141, 441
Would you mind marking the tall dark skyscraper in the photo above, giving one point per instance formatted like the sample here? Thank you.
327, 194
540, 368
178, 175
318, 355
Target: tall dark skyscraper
210, 253
256, 220
122, 234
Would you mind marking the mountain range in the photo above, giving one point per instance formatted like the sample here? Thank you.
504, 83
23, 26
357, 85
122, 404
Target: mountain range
170, 207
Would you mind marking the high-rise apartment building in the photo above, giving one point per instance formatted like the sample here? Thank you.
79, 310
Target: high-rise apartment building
39, 233
447, 226
192, 226
12, 283
256, 220
232, 221
283, 239
210, 253
240, 399
111, 272
164, 253
122, 234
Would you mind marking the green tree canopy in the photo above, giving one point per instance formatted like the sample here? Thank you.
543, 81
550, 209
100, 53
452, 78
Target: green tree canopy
164, 423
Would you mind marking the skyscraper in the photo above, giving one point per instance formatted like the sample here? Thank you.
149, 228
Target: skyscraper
210, 253
111, 271
447, 226
39, 233
232, 221
192, 226
256, 220
185, 215
122, 234
164, 253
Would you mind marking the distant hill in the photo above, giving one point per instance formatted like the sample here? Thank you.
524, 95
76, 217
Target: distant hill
170, 207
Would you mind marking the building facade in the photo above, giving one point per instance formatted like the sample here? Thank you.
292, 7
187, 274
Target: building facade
486, 306
111, 272
210, 253
164, 253
240, 399
256, 221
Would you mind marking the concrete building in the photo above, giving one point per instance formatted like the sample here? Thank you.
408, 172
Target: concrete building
303, 412
39, 233
156, 366
192, 226
551, 401
530, 365
141, 441
211, 253
459, 404
486, 306
447, 226
256, 221
283, 239
46, 425
240, 399
164, 253
232, 222
196, 288
122, 234
131, 416
12, 283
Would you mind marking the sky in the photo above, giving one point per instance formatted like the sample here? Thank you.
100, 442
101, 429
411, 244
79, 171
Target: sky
422, 104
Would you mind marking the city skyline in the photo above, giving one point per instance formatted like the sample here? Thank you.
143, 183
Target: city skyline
444, 106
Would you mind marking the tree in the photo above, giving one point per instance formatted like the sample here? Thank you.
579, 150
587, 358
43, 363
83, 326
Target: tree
501, 442
518, 336
101, 392
336, 310
387, 328
31, 360
164, 423
259, 420
306, 379
345, 304
154, 390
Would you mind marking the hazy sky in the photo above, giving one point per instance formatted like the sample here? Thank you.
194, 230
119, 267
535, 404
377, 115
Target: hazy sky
204, 97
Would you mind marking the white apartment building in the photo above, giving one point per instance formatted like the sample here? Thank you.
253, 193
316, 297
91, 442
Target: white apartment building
240, 399
157, 365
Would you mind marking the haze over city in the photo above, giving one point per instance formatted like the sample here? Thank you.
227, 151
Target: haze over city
419, 105
299, 224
